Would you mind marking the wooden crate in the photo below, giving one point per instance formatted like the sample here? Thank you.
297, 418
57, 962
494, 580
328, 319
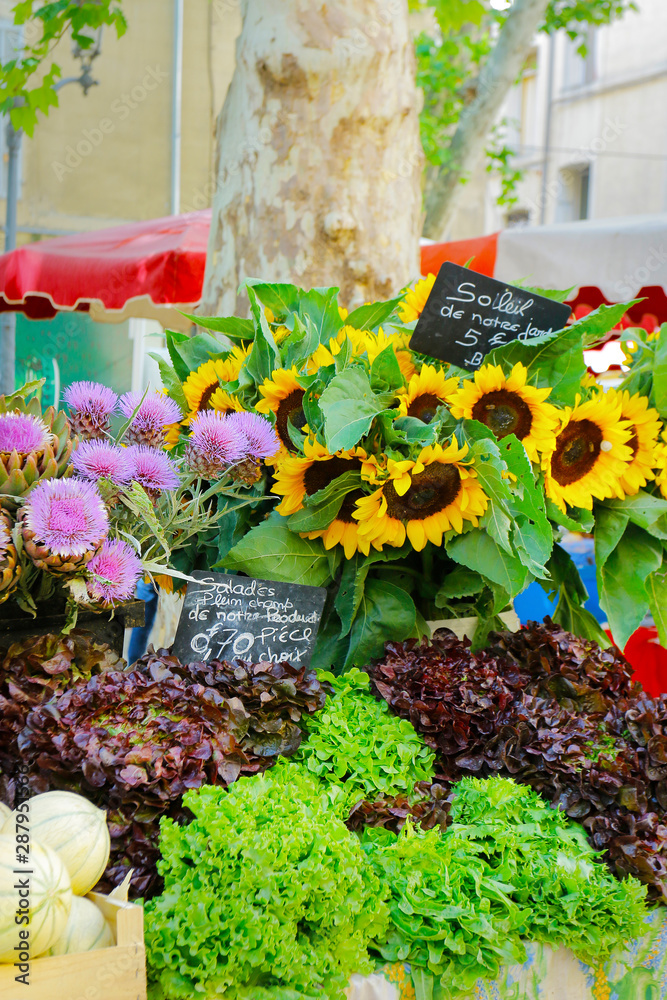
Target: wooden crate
117, 973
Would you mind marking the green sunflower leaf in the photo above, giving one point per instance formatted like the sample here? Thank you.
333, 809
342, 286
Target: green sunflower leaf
566, 585
349, 406
490, 468
659, 392
264, 357
272, 552
656, 588
300, 344
330, 648
279, 297
602, 320
555, 294
171, 382
477, 550
578, 519
369, 317
232, 326
643, 509
345, 483
461, 582
385, 371
610, 526
188, 353
322, 507
353, 578
386, 613
532, 535
316, 518
624, 595
320, 306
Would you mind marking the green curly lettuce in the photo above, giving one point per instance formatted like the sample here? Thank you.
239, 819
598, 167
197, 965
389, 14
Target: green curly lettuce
507, 869
267, 895
356, 742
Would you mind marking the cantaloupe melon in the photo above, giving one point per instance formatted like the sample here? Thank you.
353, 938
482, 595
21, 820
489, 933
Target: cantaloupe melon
43, 892
76, 830
86, 930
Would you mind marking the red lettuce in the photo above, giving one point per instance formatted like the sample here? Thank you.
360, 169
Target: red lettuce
32, 672
135, 741
552, 711
427, 807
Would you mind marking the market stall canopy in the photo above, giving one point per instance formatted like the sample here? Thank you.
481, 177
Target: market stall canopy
154, 268
142, 269
603, 260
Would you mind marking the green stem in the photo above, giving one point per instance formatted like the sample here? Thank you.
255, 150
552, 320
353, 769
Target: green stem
427, 562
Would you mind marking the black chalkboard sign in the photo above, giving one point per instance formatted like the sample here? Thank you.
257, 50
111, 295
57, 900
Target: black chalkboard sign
467, 315
238, 617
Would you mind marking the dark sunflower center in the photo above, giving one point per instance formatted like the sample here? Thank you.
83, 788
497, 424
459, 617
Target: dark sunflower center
206, 396
634, 442
348, 507
504, 413
577, 450
424, 407
290, 408
320, 474
431, 491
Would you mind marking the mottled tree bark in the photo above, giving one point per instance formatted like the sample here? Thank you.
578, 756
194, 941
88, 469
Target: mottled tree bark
318, 166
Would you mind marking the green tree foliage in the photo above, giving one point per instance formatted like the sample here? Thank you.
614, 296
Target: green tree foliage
457, 37
24, 89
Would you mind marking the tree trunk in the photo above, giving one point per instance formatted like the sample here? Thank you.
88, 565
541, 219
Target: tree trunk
500, 72
318, 163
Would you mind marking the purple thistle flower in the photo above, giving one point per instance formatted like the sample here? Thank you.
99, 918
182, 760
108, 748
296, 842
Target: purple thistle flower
92, 404
66, 515
101, 460
23, 433
114, 572
150, 420
258, 432
214, 444
152, 469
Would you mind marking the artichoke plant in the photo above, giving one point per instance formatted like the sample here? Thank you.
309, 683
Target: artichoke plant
33, 446
10, 567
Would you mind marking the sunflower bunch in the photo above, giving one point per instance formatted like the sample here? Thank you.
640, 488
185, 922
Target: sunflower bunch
415, 490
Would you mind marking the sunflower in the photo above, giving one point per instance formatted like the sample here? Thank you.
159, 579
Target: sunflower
224, 402
281, 333
645, 429
660, 464
168, 584
422, 499
376, 343
323, 356
591, 455
425, 393
297, 478
202, 386
507, 405
171, 436
283, 396
415, 298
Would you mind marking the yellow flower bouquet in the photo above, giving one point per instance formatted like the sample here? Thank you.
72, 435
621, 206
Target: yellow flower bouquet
414, 490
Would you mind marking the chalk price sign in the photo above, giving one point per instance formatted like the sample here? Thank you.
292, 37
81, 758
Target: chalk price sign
236, 617
467, 315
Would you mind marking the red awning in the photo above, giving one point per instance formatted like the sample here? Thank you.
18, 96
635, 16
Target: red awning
132, 270
153, 268
603, 260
